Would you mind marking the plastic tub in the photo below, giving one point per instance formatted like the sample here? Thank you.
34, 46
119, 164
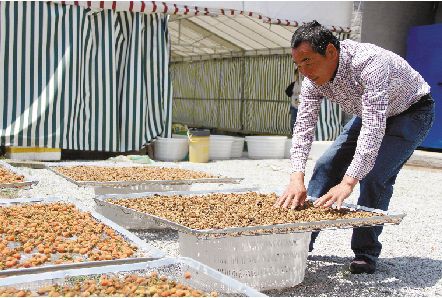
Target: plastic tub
288, 146
237, 147
319, 148
171, 149
266, 147
220, 147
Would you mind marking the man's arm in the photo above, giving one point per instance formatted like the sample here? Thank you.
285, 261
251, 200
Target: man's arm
304, 130
303, 135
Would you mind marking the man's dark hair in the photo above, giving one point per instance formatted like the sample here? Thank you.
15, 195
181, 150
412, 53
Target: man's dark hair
316, 35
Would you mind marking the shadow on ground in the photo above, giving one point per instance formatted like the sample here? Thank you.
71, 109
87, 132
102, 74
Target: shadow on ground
401, 276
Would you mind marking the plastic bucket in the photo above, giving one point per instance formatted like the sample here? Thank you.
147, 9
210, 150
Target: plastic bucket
237, 147
170, 149
198, 145
266, 147
319, 148
220, 147
288, 146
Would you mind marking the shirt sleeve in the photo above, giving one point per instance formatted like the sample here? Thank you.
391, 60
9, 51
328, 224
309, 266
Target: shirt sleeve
304, 130
296, 88
375, 76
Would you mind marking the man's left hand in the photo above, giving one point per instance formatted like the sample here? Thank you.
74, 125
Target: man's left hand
338, 193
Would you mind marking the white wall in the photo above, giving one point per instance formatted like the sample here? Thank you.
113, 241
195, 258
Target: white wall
328, 13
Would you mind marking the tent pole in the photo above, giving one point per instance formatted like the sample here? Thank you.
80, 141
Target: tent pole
243, 73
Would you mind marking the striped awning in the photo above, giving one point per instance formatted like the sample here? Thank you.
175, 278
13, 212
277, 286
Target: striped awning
184, 10
199, 33
82, 79
106, 85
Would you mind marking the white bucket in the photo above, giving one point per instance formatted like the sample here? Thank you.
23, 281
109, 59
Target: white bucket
171, 149
237, 147
288, 146
220, 147
318, 148
266, 147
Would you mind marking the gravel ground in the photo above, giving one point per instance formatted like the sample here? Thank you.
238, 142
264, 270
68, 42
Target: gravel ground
410, 263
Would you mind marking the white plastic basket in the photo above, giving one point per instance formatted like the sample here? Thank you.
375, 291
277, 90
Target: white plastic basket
237, 147
319, 148
220, 147
171, 149
288, 146
264, 262
266, 147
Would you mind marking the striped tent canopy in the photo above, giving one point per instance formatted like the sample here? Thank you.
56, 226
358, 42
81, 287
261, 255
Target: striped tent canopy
184, 10
107, 86
244, 95
101, 86
231, 73
208, 33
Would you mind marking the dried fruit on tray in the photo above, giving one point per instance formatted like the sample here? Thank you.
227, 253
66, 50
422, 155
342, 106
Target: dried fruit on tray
6, 176
105, 174
223, 210
128, 286
55, 233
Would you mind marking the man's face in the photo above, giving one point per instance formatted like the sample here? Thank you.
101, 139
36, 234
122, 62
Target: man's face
319, 69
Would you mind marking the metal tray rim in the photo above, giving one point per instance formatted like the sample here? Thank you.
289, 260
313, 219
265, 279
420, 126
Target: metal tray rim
305, 225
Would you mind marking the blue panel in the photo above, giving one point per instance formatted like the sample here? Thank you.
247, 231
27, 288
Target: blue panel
424, 53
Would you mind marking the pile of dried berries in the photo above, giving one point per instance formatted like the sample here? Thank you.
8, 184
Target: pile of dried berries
104, 174
222, 210
129, 286
6, 176
55, 233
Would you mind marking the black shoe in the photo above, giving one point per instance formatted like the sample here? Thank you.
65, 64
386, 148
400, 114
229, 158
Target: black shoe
310, 246
312, 240
362, 265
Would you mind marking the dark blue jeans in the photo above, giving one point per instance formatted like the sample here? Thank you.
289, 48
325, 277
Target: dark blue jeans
404, 133
293, 114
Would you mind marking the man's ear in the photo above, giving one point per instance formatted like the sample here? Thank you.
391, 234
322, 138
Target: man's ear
331, 51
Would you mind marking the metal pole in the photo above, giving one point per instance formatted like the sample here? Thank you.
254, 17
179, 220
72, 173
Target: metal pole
243, 72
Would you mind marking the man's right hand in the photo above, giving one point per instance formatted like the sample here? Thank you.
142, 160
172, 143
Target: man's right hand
295, 193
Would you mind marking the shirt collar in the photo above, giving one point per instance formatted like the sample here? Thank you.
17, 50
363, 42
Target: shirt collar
339, 69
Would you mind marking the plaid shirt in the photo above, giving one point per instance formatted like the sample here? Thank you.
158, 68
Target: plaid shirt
370, 82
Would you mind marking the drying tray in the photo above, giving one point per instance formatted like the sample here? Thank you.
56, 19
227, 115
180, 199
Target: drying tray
381, 218
202, 277
131, 219
52, 166
28, 181
145, 251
